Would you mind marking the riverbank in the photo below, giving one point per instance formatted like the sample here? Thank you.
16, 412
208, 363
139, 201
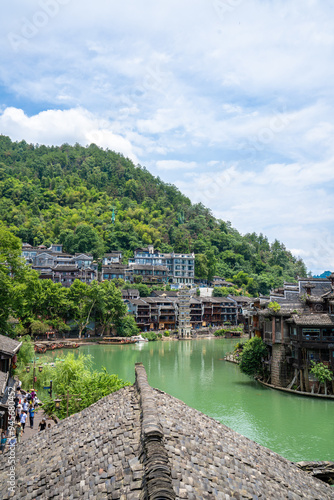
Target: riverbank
292, 391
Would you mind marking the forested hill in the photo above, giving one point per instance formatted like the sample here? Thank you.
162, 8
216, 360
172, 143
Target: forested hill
69, 194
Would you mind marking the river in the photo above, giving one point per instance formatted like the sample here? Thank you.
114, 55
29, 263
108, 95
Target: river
296, 427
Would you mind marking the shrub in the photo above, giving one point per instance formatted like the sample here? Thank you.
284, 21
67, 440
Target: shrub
151, 336
84, 385
254, 350
274, 306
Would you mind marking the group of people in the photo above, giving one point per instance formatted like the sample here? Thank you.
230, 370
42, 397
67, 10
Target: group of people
25, 406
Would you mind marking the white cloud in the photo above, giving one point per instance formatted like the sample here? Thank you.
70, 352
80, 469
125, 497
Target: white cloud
54, 127
175, 165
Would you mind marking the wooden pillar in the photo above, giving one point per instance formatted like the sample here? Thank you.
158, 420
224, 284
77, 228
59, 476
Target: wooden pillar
301, 380
307, 382
273, 330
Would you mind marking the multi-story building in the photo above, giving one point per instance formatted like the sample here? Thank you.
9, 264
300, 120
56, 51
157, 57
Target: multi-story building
182, 311
52, 263
114, 271
298, 329
112, 258
180, 267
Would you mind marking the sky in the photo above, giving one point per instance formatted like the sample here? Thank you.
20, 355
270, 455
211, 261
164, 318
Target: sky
230, 100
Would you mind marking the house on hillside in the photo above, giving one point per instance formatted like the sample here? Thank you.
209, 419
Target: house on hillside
180, 267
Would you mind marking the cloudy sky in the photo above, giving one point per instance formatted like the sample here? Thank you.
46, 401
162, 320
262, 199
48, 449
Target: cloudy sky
231, 100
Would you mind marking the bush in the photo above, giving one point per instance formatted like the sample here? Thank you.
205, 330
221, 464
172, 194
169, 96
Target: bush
84, 385
166, 333
221, 332
151, 336
254, 350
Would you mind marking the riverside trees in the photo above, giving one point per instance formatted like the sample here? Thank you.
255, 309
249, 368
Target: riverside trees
39, 304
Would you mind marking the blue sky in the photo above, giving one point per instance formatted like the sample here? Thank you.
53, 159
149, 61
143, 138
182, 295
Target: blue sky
231, 100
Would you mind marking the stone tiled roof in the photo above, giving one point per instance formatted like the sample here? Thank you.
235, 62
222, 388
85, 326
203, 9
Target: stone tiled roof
9, 346
140, 443
312, 319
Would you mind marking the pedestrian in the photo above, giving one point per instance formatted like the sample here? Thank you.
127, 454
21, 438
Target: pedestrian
3, 442
18, 411
23, 420
18, 432
25, 405
31, 416
42, 424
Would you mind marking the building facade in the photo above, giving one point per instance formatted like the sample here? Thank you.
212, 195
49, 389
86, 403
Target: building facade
298, 331
180, 267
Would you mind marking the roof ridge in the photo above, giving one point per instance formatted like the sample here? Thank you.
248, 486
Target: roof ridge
158, 473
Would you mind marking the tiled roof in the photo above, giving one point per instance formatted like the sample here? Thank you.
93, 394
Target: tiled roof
140, 443
9, 346
312, 319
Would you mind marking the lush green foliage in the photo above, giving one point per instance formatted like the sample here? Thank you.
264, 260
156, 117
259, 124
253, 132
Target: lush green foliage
222, 331
67, 194
321, 372
253, 352
274, 306
224, 291
127, 326
151, 336
26, 353
85, 386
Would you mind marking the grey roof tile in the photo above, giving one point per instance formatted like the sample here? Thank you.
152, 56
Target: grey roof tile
106, 451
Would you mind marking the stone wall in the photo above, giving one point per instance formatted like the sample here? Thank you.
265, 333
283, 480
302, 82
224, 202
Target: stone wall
278, 366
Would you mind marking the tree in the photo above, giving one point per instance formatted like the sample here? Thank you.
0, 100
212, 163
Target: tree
254, 351
127, 326
322, 373
201, 266
85, 239
110, 308
212, 263
12, 273
83, 298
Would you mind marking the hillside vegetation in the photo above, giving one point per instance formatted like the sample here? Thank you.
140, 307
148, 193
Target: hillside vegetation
68, 194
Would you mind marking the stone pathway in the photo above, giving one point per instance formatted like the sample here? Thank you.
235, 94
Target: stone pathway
39, 414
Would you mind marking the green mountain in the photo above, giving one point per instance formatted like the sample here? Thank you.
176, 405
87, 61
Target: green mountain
96, 200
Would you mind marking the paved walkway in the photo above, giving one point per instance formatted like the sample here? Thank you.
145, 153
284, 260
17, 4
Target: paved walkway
39, 414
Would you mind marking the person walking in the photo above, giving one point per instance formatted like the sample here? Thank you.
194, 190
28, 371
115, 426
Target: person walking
25, 405
23, 420
31, 416
18, 411
3, 442
18, 432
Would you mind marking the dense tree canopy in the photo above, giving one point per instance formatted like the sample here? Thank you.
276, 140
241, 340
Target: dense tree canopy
69, 194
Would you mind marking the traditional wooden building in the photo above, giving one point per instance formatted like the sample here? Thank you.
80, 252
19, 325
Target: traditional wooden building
297, 324
9, 349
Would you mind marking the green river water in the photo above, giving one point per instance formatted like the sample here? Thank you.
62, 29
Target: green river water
296, 427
